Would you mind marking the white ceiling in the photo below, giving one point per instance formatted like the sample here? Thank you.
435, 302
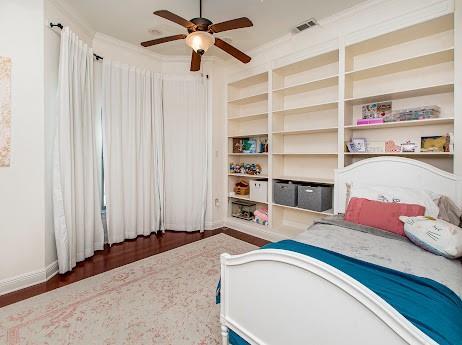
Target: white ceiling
131, 20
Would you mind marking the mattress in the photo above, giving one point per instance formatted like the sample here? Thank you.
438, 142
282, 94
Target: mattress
384, 249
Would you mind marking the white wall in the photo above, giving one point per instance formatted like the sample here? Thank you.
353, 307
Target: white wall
22, 210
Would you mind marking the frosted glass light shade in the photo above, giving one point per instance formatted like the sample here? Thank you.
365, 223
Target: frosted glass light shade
200, 41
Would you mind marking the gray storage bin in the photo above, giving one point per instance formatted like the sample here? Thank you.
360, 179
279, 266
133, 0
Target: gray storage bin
315, 198
285, 193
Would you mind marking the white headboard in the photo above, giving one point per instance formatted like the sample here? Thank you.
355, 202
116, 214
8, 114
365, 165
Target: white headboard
396, 172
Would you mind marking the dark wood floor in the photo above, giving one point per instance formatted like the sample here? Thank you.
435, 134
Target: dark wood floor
122, 254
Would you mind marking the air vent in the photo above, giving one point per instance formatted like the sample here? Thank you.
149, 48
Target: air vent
306, 25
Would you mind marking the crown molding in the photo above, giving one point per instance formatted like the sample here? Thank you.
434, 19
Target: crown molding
146, 52
69, 11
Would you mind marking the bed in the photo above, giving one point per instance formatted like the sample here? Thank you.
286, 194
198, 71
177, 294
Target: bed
324, 305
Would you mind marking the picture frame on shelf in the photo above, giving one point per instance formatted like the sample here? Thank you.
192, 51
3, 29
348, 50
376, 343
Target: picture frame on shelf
438, 143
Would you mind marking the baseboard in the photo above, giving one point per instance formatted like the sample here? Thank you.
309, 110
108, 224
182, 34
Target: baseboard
25, 280
253, 229
214, 225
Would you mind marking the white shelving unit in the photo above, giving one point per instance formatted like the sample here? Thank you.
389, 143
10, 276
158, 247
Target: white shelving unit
308, 110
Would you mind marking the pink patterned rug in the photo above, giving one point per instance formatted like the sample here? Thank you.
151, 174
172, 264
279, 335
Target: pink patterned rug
167, 298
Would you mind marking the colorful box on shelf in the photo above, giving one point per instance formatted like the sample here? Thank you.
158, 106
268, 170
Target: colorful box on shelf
371, 121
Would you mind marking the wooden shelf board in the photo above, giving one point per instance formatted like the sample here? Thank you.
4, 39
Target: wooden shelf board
250, 99
305, 179
432, 154
401, 65
308, 86
325, 213
245, 197
248, 117
423, 91
406, 34
305, 153
412, 123
247, 154
248, 176
307, 63
307, 109
249, 81
249, 135
308, 131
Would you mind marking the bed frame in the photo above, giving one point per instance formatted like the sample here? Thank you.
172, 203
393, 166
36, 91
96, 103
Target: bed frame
276, 297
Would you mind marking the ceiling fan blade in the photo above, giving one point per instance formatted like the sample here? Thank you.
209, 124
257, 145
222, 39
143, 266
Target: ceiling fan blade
232, 51
195, 61
238, 23
163, 40
175, 18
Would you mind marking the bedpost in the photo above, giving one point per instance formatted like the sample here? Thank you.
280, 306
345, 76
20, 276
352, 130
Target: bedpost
224, 329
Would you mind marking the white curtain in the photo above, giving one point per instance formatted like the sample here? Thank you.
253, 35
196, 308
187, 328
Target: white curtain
186, 152
76, 194
132, 151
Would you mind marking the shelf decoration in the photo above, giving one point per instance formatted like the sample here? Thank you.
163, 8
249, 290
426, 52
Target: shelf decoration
5, 111
409, 146
391, 147
435, 143
250, 145
245, 169
376, 110
243, 209
242, 188
357, 145
412, 114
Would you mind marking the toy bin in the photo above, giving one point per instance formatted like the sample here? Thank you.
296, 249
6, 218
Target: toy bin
315, 198
259, 190
285, 193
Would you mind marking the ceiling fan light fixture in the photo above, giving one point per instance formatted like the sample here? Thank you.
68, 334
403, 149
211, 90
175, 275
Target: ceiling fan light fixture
200, 41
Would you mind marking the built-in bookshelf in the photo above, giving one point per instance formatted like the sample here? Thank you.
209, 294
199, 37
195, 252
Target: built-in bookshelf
308, 109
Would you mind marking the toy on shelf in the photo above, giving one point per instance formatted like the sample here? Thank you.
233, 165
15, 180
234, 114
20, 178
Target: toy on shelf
435, 143
245, 168
376, 110
412, 114
242, 188
261, 216
391, 147
250, 145
243, 209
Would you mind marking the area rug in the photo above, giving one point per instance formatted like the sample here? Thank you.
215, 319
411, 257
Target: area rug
165, 299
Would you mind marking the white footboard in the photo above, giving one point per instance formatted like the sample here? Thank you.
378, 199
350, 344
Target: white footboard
276, 297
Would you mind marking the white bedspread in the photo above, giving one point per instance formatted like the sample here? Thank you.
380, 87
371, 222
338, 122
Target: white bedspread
395, 254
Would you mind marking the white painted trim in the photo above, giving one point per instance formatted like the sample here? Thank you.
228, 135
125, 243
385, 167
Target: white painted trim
250, 229
28, 279
146, 52
51, 270
458, 87
408, 19
69, 11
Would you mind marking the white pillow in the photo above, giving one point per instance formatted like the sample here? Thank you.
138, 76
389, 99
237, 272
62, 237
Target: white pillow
434, 235
424, 198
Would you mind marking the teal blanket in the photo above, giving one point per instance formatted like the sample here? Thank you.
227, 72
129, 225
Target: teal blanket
430, 306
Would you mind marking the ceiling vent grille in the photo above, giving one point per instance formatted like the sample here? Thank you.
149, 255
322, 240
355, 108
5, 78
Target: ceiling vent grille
306, 25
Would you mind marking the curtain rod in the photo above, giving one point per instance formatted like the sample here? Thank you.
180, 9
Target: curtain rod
60, 26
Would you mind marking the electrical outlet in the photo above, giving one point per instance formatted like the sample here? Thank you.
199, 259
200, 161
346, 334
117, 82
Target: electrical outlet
217, 202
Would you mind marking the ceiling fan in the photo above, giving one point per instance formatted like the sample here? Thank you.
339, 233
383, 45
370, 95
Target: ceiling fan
200, 35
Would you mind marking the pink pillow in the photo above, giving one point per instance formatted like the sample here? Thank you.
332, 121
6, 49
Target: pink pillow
381, 215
